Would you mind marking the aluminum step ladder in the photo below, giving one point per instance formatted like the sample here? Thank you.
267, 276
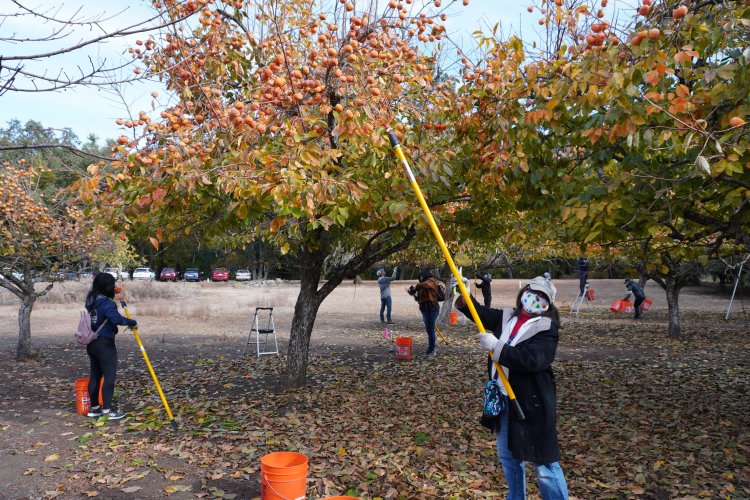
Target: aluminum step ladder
580, 299
270, 329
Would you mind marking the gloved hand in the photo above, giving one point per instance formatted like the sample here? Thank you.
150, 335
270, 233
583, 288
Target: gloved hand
133, 324
490, 344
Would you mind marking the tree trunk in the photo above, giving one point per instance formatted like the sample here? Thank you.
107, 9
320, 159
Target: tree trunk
673, 295
24, 351
305, 312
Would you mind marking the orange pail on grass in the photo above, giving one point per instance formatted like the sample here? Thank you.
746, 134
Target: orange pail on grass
646, 304
616, 306
82, 395
403, 348
283, 476
453, 318
589, 294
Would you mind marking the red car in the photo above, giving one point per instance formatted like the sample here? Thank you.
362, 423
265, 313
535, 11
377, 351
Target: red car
168, 274
220, 274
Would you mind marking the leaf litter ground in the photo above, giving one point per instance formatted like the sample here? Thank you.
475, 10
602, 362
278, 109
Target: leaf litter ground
641, 416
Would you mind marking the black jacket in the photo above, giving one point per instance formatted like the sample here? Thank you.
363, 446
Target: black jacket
531, 378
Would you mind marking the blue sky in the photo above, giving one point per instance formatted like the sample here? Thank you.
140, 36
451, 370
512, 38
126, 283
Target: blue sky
92, 110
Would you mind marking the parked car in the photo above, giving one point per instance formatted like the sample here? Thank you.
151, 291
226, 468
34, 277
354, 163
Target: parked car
144, 273
66, 275
87, 273
243, 275
168, 274
192, 274
118, 275
220, 274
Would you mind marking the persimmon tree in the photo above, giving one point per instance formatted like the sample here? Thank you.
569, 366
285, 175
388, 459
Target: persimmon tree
277, 133
40, 234
626, 133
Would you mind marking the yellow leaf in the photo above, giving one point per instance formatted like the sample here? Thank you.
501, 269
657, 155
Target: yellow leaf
52, 458
342, 452
664, 269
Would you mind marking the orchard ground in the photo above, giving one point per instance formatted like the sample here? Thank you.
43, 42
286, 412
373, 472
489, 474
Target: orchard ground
640, 415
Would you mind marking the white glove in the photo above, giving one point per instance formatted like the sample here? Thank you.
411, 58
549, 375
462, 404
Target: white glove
489, 344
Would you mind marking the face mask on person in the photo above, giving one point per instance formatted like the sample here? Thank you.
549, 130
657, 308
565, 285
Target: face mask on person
533, 303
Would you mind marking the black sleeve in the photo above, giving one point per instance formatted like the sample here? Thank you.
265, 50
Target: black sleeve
533, 355
491, 318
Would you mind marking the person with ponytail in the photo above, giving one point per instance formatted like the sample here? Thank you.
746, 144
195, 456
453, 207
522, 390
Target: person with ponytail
102, 351
523, 341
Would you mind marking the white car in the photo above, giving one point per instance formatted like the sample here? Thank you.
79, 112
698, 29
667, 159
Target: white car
118, 275
243, 275
144, 273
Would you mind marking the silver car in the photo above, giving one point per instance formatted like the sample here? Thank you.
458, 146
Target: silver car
144, 273
243, 275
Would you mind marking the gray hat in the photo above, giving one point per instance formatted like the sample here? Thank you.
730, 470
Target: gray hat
545, 286
381, 272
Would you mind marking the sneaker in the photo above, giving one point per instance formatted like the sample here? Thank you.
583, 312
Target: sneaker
430, 354
95, 411
112, 415
390, 322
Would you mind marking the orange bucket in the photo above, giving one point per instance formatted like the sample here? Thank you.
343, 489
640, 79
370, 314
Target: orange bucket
616, 306
453, 318
646, 304
589, 294
82, 395
283, 476
403, 348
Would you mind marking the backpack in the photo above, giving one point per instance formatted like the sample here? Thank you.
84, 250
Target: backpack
440, 291
84, 334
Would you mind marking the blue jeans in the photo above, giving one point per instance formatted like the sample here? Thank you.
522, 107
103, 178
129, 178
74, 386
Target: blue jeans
550, 477
385, 303
429, 318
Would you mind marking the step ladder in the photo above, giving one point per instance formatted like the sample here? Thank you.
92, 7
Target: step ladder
270, 329
580, 299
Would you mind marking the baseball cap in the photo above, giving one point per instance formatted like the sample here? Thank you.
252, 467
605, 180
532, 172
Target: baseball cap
545, 286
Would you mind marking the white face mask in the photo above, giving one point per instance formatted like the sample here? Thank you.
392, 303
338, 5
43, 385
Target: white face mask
533, 303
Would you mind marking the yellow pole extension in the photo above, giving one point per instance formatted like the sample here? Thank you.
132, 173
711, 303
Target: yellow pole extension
436, 231
441, 334
150, 369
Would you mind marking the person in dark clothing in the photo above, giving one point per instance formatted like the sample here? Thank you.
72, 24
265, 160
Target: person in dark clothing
524, 342
425, 293
484, 285
635, 289
386, 302
583, 273
102, 351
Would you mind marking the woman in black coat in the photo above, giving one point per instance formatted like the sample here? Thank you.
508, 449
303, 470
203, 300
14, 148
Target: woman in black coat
524, 344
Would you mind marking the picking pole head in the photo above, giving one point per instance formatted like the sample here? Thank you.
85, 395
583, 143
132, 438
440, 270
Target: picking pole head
392, 137
174, 425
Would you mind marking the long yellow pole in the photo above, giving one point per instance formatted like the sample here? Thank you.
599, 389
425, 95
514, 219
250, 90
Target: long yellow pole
150, 369
436, 231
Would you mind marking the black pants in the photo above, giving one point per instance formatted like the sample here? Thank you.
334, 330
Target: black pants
103, 356
582, 277
637, 306
487, 296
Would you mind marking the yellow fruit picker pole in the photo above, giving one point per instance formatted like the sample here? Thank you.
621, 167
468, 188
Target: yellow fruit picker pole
150, 369
452, 265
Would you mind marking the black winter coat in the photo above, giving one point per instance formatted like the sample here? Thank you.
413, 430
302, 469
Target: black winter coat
530, 375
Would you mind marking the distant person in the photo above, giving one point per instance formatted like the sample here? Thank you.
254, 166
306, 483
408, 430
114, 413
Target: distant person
426, 294
636, 290
386, 302
484, 284
102, 351
524, 344
583, 273
547, 276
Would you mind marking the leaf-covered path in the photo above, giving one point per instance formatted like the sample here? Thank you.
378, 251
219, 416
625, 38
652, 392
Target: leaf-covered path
641, 416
